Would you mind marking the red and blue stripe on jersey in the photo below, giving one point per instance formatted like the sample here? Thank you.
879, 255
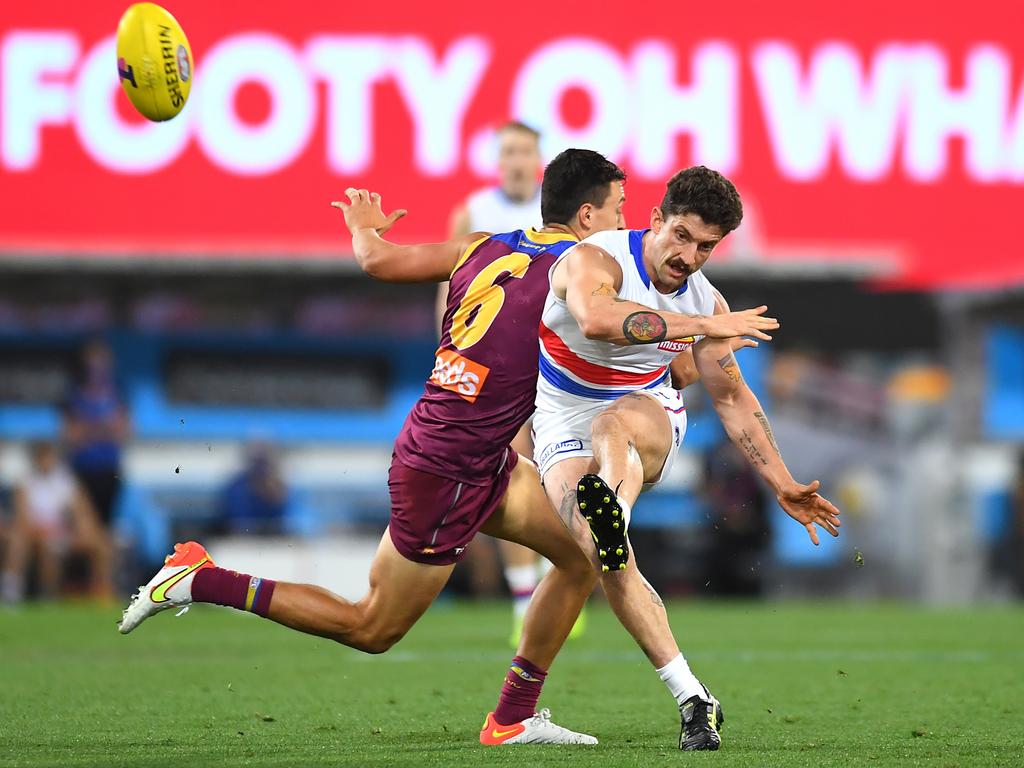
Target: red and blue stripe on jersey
567, 371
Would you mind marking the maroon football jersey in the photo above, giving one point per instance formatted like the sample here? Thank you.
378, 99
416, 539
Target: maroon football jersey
484, 381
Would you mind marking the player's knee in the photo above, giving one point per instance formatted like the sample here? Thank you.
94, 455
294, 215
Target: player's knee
606, 423
372, 641
378, 645
578, 567
590, 574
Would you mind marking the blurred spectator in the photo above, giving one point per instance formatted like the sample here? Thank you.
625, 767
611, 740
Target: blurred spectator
740, 534
256, 500
95, 428
6, 527
1010, 550
514, 202
53, 519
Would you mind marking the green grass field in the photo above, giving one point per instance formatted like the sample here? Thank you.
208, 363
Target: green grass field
802, 685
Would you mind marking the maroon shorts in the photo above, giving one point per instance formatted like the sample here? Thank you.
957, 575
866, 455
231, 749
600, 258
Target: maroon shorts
434, 518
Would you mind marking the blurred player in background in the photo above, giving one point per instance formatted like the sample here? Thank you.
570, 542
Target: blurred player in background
509, 205
608, 422
741, 530
255, 500
95, 428
53, 519
515, 200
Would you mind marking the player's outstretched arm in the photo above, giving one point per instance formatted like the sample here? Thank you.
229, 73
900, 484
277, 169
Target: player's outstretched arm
747, 426
683, 368
593, 279
390, 262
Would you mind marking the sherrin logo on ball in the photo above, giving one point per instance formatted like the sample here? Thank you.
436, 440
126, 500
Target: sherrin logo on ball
154, 61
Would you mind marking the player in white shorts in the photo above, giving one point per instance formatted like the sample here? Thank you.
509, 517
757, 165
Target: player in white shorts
609, 420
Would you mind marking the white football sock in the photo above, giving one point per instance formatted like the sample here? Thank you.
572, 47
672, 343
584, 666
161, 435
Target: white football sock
680, 680
522, 581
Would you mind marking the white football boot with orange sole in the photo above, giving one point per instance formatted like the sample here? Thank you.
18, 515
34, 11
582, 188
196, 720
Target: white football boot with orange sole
170, 588
533, 730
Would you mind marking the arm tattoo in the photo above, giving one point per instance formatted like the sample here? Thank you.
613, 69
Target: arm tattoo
747, 444
731, 368
607, 289
767, 430
644, 328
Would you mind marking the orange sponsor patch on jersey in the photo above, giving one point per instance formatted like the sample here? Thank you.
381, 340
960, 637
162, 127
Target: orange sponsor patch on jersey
458, 374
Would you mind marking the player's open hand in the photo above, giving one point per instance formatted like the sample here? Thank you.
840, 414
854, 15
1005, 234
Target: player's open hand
363, 211
747, 322
805, 505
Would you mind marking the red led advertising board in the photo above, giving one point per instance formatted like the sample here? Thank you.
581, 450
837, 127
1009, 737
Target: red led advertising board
889, 133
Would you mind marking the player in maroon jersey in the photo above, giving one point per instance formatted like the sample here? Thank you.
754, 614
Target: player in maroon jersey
453, 473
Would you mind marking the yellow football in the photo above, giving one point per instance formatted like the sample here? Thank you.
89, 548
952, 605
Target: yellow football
154, 61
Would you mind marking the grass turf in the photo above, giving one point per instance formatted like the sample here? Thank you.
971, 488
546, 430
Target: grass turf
802, 685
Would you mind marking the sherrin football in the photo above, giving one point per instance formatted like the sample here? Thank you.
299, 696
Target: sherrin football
154, 61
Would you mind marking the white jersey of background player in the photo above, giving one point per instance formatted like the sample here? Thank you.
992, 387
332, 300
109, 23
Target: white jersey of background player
608, 422
513, 203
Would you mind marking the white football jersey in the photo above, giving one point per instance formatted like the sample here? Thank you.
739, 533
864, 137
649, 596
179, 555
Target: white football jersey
571, 364
49, 497
491, 210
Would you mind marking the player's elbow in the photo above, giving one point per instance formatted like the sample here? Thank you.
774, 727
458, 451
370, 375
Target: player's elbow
592, 331
684, 376
726, 397
592, 325
373, 265
372, 641
723, 403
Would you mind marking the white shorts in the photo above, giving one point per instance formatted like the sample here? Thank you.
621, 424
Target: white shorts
561, 426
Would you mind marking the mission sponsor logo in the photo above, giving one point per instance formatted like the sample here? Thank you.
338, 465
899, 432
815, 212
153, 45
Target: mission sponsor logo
677, 345
459, 374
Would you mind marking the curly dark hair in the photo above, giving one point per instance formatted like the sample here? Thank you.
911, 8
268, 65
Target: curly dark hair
575, 177
708, 194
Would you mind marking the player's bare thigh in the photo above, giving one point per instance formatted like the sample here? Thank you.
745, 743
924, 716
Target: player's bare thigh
526, 517
647, 427
400, 587
516, 554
